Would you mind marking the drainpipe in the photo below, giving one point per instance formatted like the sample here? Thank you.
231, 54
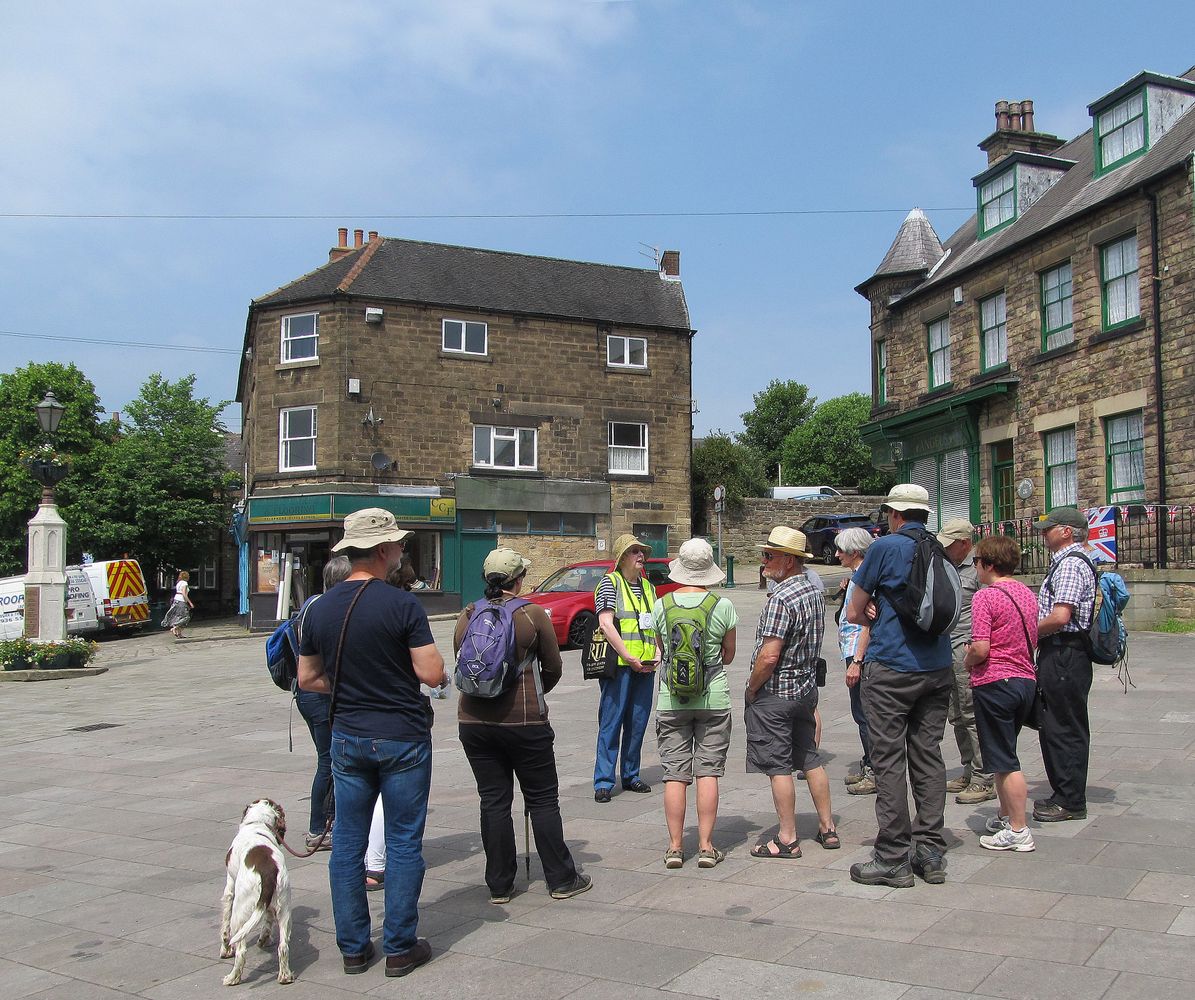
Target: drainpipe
1162, 522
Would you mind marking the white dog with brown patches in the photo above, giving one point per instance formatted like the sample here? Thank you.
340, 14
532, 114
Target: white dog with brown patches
257, 891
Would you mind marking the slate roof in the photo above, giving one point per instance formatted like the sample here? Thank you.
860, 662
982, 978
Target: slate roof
493, 281
914, 251
1075, 193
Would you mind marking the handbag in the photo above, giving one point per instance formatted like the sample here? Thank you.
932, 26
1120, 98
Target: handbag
598, 658
1032, 721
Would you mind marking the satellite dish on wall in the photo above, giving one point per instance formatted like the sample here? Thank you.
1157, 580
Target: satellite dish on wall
380, 461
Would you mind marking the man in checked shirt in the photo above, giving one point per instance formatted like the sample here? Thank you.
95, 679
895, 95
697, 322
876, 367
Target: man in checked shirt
1065, 605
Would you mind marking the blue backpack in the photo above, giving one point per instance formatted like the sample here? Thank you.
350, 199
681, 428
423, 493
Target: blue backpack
282, 649
486, 664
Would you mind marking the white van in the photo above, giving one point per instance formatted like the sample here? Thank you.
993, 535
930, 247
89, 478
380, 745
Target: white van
803, 492
80, 606
121, 597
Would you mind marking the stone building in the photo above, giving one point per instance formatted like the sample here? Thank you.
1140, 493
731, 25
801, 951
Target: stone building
483, 397
1042, 355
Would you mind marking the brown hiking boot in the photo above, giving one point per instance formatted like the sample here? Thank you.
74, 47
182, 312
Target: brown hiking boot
976, 792
958, 784
865, 785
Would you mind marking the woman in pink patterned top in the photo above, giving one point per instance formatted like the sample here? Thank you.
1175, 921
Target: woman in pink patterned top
1003, 682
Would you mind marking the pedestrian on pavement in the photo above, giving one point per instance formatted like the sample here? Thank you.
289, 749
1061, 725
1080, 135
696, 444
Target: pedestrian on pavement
178, 615
623, 601
976, 783
906, 691
851, 545
781, 695
369, 646
1000, 661
313, 707
509, 737
693, 731
1065, 604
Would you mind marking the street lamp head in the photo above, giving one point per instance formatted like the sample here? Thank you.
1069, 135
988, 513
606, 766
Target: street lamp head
49, 413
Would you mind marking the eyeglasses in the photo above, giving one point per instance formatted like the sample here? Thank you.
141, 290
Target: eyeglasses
767, 556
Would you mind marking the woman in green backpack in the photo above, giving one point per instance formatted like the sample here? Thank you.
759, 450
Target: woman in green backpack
695, 632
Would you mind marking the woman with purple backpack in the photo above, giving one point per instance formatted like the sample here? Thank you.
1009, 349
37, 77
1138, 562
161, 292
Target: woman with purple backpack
508, 736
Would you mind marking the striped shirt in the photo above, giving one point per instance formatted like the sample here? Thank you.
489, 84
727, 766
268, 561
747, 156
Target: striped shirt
795, 613
1070, 581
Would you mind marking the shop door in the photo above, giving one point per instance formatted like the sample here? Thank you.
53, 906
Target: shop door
475, 546
655, 535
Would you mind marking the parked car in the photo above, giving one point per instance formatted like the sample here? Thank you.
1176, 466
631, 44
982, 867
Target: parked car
880, 520
803, 492
567, 596
820, 532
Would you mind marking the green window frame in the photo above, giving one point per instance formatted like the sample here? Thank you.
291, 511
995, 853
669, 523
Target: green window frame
1062, 468
997, 202
937, 337
881, 371
993, 332
1120, 289
1057, 301
1124, 448
1004, 497
1121, 132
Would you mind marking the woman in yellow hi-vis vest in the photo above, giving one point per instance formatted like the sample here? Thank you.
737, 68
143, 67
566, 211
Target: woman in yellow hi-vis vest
623, 601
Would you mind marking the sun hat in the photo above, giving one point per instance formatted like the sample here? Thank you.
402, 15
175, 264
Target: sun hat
1068, 517
694, 565
624, 543
783, 539
907, 496
957, 529
506, 563
363, 529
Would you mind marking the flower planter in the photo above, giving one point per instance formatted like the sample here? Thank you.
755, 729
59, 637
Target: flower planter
19, 663
77, 660
57, 661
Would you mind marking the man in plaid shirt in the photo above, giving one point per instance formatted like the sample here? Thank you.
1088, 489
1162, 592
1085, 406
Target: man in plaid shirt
1065, 605
781, 695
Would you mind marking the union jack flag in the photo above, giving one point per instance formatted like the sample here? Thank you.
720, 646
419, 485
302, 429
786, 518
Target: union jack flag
1101, 533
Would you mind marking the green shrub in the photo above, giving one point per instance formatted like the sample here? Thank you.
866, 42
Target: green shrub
1177, 626
15, 652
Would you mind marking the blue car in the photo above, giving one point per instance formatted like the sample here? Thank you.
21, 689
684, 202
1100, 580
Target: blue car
820, 531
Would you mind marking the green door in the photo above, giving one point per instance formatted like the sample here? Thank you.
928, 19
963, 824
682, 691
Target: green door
655, 535
475, 546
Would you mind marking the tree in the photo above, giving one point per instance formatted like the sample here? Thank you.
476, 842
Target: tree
717, 460
827, 448
79, 435
161, 488
779, 409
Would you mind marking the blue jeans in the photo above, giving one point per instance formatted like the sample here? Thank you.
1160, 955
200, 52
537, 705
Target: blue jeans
623, 712
314, 709
401, 772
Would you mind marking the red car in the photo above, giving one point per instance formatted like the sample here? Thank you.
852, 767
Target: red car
567, 596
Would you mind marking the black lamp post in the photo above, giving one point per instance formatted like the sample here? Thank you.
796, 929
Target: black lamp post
47, 471
45, 583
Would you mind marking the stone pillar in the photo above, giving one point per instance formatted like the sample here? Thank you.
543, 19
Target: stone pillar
45, 585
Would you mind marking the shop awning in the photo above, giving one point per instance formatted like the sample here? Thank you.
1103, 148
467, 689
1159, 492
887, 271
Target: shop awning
316, 508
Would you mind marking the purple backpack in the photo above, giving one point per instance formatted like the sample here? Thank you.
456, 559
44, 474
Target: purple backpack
486, 665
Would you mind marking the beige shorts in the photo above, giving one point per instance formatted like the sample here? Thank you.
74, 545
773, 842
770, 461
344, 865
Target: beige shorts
693, 743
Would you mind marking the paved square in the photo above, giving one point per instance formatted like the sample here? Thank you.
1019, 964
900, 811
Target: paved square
112, 845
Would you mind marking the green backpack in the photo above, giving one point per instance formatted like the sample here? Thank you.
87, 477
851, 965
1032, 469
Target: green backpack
684, 653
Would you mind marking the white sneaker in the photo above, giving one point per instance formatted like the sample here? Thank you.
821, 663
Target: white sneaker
1008, 839
996, 824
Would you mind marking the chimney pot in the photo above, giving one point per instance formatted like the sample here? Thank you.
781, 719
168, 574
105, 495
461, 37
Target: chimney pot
358, 237
1014, 117
1027, 115
373, 235
670, 264
342, 237
1001, 115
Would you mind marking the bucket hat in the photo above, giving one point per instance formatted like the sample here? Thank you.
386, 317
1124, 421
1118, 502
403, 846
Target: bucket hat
784, 539
624, 543
694, 565
907, 496
363, 529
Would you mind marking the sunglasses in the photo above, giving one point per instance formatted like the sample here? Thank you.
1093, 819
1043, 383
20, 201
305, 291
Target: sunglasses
767, 556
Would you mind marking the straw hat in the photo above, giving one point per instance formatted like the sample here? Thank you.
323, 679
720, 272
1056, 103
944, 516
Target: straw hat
783, 539
363, 529
907, 496
505, 562
694, 565
624, 543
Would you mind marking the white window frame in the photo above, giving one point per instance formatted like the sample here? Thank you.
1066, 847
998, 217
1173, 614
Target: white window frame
1122, 131
463, 333
625, 451
625, 344
486, 438
284, 440
289, 339
939, 354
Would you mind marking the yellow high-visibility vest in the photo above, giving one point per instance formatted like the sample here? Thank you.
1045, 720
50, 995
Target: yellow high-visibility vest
640, 642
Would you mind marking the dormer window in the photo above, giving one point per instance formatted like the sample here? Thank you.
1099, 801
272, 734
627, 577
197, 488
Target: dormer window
1121, 133
997, 202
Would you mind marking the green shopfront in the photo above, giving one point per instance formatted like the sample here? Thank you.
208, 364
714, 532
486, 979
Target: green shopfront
291, 538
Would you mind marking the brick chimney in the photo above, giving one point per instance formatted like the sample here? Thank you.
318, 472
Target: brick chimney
1015, 133
342, 245
670, 265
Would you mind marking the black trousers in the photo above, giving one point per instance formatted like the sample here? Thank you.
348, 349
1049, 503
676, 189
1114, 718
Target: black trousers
499, 754
1063, 684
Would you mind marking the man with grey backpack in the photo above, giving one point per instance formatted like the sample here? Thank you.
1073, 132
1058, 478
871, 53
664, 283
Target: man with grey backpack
695, 635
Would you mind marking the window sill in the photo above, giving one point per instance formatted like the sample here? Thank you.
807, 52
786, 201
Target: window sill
884, 409
1055, 352
289, 474
490, 470
936, 392
286, 366
630, 477
995, 372
1133, 326
465, 356
627, 370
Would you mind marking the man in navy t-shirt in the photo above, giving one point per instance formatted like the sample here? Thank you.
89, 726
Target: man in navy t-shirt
381, 735
906, 680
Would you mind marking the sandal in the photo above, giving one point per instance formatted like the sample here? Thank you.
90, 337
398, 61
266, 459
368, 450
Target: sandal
783, 852
674, 859
374, 881
707, 859
829, 840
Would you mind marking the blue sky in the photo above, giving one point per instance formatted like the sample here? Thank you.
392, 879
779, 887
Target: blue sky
367, 114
